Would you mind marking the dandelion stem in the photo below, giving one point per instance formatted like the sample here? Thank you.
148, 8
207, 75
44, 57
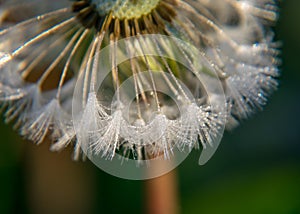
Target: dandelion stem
162, 194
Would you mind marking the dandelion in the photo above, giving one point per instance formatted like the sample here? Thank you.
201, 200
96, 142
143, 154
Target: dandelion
132, 91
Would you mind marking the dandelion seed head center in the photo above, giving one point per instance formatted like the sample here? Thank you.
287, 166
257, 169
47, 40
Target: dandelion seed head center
125, 9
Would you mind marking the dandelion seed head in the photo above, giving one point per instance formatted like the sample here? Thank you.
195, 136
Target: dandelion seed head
135, 79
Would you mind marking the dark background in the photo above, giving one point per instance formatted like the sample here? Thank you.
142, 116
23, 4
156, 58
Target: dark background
255, 170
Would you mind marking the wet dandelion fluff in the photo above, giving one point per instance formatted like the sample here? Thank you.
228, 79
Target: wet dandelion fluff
190, 68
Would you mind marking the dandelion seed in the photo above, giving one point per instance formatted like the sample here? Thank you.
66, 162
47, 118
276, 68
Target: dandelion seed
171, 104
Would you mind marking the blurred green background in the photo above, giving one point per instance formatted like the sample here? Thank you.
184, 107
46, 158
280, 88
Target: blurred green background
255, 170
